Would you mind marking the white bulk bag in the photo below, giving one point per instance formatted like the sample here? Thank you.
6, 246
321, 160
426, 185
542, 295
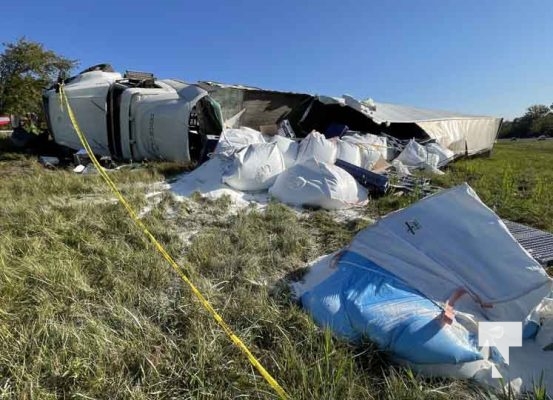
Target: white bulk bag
316, 146
314, 183
288, 148
358, 153
390, 283
371, 142
255, 167
348, 152
413, 155
450, 241
369, 157
233, 140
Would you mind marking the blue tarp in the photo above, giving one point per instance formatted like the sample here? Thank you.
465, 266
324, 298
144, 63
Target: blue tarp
362, 300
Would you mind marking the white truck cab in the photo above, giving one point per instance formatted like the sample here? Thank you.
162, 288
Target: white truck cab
134, 116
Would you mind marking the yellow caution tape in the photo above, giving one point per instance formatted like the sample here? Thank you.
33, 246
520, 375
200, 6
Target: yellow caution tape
178, 269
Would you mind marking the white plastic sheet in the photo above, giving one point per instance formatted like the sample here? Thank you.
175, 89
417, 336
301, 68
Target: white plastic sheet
444, 155
314, 183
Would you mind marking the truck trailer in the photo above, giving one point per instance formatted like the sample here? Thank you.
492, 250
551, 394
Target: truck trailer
135, 116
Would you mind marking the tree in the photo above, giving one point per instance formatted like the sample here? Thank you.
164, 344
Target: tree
506, 129
543, 125
26, 68
538, 120
537, 111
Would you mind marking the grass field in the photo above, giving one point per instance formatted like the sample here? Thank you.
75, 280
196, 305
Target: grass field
89, 310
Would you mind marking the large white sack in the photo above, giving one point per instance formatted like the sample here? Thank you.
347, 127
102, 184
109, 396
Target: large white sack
413, 154
416, 155
319, 184
348, 152
255, 167
316, 146
358, 154
369, 158
372, 143
288, 148
452, 241
444, 154
233, 140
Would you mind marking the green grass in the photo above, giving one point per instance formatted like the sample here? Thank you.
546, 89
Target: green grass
516, 182
89, 310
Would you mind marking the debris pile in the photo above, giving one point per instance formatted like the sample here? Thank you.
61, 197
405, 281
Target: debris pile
316, 171
262, 136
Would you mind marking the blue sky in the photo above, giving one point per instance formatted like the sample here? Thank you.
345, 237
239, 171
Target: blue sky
490, 57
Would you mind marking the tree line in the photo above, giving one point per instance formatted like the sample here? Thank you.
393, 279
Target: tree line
27, 67
537, 121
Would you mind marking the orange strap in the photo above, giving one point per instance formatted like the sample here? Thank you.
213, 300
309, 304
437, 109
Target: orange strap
448, 313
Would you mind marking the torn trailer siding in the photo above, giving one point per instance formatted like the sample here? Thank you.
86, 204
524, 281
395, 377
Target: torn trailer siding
464, 134
261, 107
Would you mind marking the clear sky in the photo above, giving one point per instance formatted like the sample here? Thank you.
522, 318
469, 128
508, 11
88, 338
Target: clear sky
492, 57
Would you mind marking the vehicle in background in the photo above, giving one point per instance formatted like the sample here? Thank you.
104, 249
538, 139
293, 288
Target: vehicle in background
5, 120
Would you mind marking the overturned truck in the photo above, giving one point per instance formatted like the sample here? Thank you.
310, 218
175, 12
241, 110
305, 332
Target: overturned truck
138, 117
